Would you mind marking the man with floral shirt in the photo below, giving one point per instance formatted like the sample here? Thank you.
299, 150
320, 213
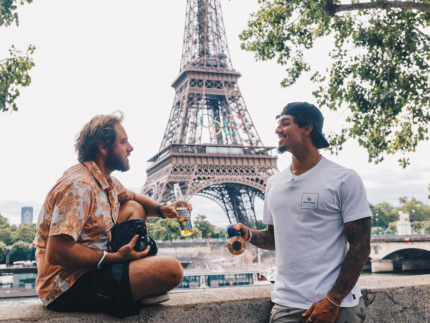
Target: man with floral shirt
77, 270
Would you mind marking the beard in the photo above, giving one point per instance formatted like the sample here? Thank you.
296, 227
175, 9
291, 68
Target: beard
115, 162
282, 149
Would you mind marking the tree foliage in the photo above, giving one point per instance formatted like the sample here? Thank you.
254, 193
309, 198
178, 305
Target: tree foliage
168, 230
4, 223
380, 69
24, 233
8, 14
32, 252
6, 236
420, 226
2, 252
417, 210
10, 234
206, 228
14, 71
20, 251
383, 214
388, 215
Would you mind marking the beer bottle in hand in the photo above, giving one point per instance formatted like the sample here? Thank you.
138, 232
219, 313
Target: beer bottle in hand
184, 215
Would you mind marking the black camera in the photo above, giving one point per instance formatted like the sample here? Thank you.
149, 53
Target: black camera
122, 233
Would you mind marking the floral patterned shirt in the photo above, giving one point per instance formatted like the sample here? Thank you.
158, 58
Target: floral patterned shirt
83, 205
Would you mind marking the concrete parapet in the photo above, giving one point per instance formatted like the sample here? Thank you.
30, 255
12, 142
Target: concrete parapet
388, 300
397, 299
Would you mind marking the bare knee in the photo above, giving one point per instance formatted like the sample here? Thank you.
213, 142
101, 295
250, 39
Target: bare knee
172, 270
131, 210
177, 272
154, 275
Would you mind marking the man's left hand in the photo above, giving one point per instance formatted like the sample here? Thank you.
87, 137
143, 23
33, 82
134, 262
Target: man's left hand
322, 312
169, 211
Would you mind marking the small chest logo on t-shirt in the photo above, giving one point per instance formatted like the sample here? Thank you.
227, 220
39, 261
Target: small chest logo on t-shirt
310, 201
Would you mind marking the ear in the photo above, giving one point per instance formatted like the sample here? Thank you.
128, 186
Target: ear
308, 128
102, 148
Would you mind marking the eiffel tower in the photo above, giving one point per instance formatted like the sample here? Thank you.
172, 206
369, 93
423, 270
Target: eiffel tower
210, 146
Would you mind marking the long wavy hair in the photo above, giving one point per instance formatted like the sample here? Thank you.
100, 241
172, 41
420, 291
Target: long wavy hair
101, 128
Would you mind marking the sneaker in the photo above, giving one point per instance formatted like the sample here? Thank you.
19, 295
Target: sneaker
155, 299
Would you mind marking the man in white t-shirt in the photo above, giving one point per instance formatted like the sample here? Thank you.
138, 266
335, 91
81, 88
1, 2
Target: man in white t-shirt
319, 219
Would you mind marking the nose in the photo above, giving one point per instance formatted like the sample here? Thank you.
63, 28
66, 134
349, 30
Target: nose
130, 148
278, 129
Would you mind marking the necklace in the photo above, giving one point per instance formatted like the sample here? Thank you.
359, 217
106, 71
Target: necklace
291, 169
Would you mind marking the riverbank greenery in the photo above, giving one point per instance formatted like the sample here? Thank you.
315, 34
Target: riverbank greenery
168, 230
9, 234
386, 216
2, 252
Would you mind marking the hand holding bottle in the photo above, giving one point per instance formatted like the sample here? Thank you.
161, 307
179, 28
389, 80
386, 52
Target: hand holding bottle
169, 211
184, 215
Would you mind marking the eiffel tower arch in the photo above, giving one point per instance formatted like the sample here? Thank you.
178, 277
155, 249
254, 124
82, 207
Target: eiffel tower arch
210, 145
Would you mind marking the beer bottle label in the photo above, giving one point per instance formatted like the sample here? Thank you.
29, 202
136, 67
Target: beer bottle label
185, 220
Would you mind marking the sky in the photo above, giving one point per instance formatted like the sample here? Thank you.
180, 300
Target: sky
95, 57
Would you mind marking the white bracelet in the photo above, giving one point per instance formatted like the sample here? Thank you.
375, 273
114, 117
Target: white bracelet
249, 235
101, 259
328, 298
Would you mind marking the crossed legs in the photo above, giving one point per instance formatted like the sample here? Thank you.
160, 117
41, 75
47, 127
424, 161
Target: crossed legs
149, 275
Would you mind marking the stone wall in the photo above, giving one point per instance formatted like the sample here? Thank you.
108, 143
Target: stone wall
388, 300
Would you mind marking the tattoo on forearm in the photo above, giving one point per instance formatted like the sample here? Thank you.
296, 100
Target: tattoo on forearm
358, 235
264, 239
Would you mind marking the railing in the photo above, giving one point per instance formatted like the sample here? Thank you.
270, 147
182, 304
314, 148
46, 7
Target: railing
400, 238
210, 68
209, 149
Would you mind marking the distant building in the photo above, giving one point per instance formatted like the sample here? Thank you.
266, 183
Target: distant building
27, 215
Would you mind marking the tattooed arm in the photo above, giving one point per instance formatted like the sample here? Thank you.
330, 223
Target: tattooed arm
264, 239
358, 235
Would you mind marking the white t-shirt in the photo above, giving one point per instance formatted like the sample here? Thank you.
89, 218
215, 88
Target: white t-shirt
308, 213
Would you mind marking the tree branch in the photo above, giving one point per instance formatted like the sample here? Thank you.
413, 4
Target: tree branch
422, 33
332, 9
329, 7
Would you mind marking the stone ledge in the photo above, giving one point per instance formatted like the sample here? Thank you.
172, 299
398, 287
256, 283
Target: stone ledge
396, 299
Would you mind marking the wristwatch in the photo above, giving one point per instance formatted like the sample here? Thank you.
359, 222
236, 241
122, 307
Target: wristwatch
158, 210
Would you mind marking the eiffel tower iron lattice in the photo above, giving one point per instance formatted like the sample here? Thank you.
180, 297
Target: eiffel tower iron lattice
210, 145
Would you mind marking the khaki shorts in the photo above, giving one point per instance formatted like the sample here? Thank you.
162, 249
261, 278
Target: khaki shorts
284, 314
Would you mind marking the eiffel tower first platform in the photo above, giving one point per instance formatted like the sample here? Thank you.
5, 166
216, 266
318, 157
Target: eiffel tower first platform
210, 146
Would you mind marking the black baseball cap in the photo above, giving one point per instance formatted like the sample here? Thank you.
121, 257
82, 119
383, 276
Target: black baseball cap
309, 113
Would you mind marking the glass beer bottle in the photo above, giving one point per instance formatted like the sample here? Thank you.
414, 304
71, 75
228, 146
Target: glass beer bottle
185, 225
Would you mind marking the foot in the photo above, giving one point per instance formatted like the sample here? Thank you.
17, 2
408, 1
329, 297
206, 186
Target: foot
155, 299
